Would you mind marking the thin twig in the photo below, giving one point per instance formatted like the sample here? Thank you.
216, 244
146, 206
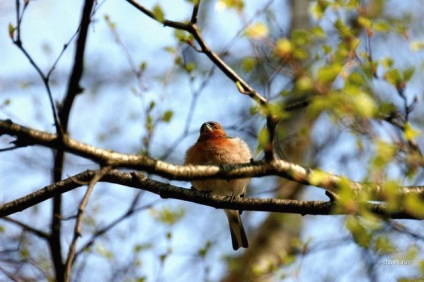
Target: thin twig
133, 209
78, 223
27, 227
18, 42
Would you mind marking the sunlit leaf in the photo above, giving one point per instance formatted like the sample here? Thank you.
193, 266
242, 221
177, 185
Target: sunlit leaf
364, 22
393, 77
283, 48
328, 74
230, 4
168, 216
410, 133
381, 26
365, 106
318, 32
319, 8
414, 205
257, 31
417, 45
158, 13
304, 83
391, 195
263, 138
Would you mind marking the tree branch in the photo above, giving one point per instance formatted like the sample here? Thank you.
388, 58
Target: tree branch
78, 224
73, 89
45, 78
27, 227
290, 171
140, 181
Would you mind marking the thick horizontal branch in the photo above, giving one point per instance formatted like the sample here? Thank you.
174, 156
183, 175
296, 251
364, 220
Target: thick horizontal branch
140, 181
27, 136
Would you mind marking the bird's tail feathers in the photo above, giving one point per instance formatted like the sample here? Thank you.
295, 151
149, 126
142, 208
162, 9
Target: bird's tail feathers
238, 235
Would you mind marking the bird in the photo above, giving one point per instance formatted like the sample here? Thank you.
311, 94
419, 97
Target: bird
214, 147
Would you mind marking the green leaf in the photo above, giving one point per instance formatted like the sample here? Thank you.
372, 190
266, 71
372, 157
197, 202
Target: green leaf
414, 205
364, 22
319, 8
364, 105
328, 74
384, 246
11, 31
248, 64
304, 83
393, 77
263, 138
408, 74
359, 233
387, 62
391, 195
231, 4
167, 215
143, 65
283, 48
381, 26
240, 87
158, 13
343, 29
257, 31
167, 116
410, 133
318, 32
417, 45
152, 105
300, 37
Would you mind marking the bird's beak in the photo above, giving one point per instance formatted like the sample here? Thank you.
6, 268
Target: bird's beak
208, 127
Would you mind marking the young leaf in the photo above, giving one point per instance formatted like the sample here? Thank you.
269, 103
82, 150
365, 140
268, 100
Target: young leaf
257, 31
158, 13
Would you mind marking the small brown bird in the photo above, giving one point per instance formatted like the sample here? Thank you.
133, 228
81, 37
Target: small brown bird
215, 147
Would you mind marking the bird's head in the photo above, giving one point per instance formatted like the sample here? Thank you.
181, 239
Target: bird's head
211, 129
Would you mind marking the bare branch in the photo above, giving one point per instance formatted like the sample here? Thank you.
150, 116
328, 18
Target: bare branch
78, 225
280, 168
140, 181
45, 78
73, 89
27, 227
131, 210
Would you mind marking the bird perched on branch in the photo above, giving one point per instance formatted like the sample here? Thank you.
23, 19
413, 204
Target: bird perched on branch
215, 147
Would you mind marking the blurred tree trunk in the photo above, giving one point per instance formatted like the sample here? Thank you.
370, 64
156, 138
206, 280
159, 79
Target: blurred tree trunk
273, 242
